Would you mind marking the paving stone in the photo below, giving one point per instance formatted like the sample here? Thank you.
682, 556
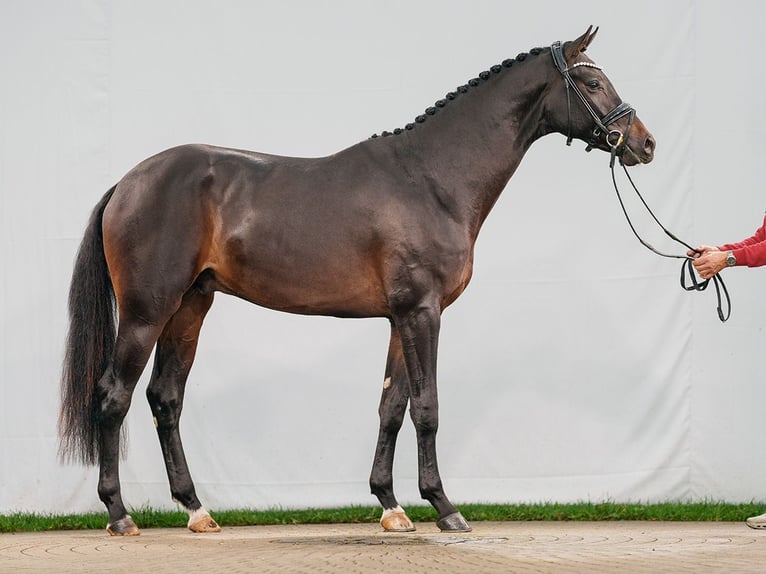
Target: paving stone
508, 547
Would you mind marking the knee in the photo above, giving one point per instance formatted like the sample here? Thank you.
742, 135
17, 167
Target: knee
393, 404
391, 420
425, 419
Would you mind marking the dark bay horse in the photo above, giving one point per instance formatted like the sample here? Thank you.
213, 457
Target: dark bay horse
385, 228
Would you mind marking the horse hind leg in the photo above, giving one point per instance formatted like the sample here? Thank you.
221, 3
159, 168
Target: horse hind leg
176, 348
112, 398
393, 404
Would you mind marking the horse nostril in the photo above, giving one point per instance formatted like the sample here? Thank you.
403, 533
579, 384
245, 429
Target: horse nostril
649, 145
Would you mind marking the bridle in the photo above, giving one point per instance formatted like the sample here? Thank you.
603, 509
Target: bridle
615, 139
618, 145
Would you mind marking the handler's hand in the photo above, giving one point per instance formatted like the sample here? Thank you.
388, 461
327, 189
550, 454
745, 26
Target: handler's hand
701, 250
710, 263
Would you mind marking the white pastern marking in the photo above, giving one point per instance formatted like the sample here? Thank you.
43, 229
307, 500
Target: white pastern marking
387, 383
195, 515
389, 511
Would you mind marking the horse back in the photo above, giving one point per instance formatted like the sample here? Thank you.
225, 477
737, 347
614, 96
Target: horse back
307, 235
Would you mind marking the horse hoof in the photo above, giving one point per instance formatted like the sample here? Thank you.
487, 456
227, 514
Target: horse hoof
123, 527
396, 520
205, 524
453, 523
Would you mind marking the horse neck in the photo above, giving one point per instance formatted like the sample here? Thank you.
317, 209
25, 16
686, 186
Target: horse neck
471, 147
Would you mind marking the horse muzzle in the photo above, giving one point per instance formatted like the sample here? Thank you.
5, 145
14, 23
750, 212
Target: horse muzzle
638, 146
634, 146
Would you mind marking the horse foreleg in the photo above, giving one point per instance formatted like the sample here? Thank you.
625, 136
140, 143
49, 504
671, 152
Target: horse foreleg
176, 348
393, 404
112, 399
419, 332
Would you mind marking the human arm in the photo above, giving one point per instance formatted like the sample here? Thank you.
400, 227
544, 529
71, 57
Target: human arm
750, 252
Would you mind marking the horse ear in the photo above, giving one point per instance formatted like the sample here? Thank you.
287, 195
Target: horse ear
582, 43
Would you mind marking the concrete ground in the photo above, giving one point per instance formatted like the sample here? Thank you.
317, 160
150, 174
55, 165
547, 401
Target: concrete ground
508, 547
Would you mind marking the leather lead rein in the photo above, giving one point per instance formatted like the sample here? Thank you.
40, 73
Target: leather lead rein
687, 266
618, 147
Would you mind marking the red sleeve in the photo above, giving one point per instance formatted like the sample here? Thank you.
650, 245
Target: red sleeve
751, 251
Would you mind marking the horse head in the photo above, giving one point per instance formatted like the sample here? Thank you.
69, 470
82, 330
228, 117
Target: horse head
588, 106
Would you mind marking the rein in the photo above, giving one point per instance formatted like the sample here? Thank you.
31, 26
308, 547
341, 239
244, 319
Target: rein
687, 267
617, 142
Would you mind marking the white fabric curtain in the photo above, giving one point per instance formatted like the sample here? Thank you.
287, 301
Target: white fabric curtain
573, 368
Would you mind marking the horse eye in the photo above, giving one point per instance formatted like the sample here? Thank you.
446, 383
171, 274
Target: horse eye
594, 84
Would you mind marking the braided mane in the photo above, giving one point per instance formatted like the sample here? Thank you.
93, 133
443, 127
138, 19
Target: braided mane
464, 89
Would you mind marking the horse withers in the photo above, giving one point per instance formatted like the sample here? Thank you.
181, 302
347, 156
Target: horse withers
384, 228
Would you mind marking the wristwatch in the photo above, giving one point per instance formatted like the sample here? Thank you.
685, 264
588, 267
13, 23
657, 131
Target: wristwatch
731, 261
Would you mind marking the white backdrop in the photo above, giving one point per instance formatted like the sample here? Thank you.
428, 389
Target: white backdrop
573, 368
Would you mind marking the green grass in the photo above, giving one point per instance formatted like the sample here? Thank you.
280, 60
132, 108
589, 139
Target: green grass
705, 511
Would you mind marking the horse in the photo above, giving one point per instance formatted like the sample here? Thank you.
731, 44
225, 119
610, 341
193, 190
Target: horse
385, 228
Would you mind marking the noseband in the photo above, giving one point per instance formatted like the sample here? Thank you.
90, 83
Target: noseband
615, 139
618, 144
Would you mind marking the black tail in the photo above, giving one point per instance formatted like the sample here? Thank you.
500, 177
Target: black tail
89, 345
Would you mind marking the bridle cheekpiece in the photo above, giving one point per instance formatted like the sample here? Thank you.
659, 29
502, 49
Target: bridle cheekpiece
615, 139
